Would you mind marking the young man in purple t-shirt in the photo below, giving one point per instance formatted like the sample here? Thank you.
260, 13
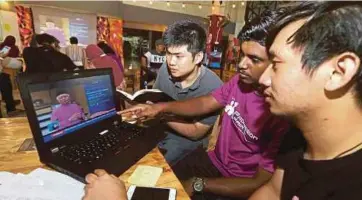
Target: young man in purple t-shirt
249, 139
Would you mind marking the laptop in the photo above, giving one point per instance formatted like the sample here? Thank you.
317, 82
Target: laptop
74, 122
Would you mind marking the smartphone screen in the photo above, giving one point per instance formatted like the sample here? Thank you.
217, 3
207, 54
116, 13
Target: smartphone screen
5, 50
142, 193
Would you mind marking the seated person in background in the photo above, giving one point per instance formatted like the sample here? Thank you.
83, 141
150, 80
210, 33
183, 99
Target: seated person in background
250, 135
109, 52
75, 53
184, 77
46, 57
315, 79
151, 62
67, 113
98, 59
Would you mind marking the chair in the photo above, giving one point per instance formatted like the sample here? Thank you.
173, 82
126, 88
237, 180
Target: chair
130, 78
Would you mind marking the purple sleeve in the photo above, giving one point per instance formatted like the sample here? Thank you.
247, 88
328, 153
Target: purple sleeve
54, 115
268, 157
222, 93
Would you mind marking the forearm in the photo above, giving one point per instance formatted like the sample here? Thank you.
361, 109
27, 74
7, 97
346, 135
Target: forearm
193, 131
236, 187
144, 63
192, 107
264, 192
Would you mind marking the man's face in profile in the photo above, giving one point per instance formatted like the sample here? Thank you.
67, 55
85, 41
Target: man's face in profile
63, 99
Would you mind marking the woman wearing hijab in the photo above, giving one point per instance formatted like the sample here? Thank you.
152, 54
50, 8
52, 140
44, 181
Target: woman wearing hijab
10, 41
98, 59
44, 56
109, 52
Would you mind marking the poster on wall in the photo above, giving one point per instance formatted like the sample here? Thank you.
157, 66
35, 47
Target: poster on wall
9, 25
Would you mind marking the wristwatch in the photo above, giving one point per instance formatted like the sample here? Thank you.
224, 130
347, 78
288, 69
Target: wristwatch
198, 185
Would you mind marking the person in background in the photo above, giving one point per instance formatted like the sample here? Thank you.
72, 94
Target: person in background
6, 88
75, 53
315, 80
151, 62
98, 59
14, 51
109, 52
67, 113
46, 57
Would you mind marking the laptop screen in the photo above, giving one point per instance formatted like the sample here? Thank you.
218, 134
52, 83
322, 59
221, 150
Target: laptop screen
65, 106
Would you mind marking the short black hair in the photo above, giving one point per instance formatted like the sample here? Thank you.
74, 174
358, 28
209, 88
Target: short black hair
73, 40
105, 47
331, 29
258, 28
159, 42
46, 39
186, 32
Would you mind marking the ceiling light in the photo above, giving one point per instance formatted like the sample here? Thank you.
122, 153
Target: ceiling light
200, 6
151, 2
168, 3
183, 5
234, 5
243, 3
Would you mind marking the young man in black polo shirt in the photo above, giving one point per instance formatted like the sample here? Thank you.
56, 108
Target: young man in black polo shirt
316, 80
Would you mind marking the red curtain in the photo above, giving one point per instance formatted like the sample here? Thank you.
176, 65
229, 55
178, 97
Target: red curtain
110, 30
102, 29
25, 22
116, 36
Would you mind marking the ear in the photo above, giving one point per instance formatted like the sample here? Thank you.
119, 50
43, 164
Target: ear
198, 57
345, 67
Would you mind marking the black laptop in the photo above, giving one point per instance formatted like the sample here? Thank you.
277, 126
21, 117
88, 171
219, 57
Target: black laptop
74, 122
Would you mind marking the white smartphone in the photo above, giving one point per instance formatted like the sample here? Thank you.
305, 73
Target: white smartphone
150, 193
5, 50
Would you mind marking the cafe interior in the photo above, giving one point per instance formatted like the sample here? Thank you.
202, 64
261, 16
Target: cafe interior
73, 74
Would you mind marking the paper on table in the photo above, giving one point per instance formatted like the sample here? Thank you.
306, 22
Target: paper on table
146, 176
40, 184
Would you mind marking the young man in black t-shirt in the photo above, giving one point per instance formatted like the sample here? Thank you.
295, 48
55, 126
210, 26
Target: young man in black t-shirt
316, 80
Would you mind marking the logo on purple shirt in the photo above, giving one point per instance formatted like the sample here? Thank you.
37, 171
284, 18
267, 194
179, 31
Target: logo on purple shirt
239, 122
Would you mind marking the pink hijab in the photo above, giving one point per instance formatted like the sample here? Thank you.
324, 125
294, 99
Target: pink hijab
101, 60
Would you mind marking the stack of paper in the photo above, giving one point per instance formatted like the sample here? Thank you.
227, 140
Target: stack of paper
40, 184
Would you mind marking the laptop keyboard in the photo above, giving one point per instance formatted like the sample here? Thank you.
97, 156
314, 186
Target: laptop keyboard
115, 140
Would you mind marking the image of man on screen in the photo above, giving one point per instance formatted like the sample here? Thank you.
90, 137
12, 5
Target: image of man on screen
67, 113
